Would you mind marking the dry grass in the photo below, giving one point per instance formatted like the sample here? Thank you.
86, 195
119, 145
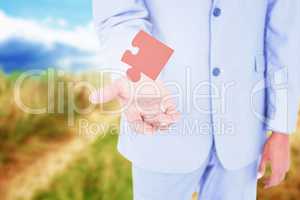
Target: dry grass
25, 137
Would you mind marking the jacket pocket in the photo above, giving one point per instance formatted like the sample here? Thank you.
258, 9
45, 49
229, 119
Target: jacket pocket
260, 63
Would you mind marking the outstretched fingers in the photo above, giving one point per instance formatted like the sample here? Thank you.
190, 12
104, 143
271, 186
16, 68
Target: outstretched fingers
108, 93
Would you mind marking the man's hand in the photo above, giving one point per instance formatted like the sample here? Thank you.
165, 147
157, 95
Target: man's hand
277, 153
147, 104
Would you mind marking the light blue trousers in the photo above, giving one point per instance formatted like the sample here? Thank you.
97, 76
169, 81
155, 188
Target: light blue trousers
211, 182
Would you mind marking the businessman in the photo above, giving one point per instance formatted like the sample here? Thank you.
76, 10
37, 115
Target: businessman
234, 76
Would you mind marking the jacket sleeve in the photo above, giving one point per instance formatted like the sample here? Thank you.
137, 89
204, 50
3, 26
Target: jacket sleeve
282, 46
116, 23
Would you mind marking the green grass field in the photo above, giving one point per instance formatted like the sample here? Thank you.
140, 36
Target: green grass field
99, 174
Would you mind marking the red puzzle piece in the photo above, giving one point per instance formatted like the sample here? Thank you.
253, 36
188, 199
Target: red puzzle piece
151, 58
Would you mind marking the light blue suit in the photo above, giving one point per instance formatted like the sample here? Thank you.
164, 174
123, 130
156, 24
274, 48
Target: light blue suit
238, 58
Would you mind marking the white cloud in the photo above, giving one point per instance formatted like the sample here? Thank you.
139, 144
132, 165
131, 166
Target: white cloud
62, 22
56, 22
81, 37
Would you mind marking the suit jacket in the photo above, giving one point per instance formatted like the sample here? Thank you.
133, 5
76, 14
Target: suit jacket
234, 75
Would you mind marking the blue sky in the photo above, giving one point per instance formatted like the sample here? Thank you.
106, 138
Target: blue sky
75, 12
47, 33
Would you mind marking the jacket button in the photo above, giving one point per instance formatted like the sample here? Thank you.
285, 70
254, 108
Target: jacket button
216, 71
217, 12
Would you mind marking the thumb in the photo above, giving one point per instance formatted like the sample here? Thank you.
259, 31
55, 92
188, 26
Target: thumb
262, 167
106, 94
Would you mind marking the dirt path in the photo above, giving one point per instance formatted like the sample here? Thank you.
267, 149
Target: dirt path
40, 173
